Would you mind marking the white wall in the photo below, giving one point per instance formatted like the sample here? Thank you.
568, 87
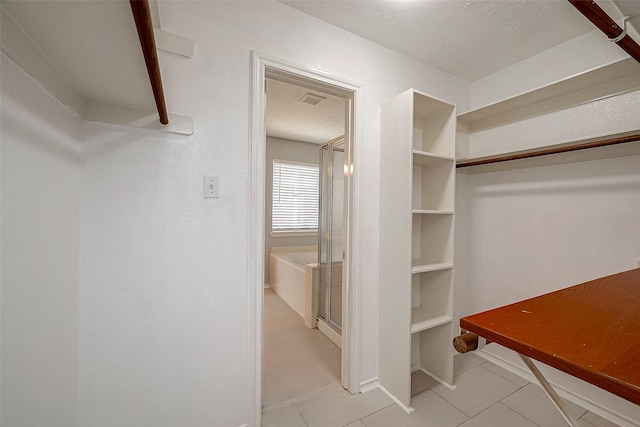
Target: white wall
40, 176
164, 284
284, 149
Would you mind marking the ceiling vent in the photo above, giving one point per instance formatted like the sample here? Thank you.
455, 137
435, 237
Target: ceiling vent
312, 99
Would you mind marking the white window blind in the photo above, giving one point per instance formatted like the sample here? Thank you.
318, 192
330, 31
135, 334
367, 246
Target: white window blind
295, 197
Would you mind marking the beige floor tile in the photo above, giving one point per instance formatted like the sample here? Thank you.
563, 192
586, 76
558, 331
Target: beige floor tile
301, 379
421, 382
282, 320
597, 420
532, 403
430, 410
517, 379
355, 424
296, 360
336, 407
476, 390
272, 302
498, 415
278, 339
464, 362
289, 416
305, 352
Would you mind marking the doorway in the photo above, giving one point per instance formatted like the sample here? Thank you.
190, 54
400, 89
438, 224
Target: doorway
313, 80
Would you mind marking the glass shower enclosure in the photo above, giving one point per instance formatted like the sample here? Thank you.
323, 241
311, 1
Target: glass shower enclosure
331, 232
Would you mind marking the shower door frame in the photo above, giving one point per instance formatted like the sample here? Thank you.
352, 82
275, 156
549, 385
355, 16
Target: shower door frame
263, 66
328, 250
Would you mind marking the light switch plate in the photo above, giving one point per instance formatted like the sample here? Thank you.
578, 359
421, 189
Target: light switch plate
211, 189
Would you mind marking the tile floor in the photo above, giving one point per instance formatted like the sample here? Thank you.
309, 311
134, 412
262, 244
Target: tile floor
302, 388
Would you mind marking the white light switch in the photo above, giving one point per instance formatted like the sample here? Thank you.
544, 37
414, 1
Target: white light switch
211, 189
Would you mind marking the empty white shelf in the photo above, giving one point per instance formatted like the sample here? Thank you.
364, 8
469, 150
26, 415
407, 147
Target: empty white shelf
430, 267
424, 158
420, 323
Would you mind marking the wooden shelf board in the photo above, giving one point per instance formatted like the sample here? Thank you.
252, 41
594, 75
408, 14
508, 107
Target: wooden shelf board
419, 325
424, 268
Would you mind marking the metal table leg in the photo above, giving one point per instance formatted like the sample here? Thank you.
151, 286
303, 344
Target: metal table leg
557, 401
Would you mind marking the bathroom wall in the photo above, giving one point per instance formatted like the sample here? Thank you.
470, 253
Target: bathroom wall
40, 177
284, 149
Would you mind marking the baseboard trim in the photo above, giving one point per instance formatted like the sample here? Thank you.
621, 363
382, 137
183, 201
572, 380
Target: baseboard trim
374, 383
369, 385
407, 409
564, 392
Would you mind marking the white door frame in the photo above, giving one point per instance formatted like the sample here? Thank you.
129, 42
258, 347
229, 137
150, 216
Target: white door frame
261, 66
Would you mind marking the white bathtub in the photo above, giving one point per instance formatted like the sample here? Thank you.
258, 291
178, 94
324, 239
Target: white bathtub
293, 278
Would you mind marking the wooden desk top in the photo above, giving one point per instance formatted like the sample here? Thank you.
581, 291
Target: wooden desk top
591, 331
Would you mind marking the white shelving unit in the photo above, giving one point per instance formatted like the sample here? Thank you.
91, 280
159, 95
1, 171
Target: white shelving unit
416, 241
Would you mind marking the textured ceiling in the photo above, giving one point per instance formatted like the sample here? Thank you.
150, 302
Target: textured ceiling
470, 39
289, 118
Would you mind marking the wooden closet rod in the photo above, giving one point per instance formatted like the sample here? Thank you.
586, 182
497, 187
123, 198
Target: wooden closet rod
142, 16
545, 152
600, 19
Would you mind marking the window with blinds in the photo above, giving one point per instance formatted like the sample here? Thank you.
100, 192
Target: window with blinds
295, 197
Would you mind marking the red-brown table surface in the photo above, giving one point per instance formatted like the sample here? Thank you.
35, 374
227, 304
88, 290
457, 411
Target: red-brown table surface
591, 331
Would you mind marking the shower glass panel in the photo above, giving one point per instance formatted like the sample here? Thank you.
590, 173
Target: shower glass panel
331, 233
